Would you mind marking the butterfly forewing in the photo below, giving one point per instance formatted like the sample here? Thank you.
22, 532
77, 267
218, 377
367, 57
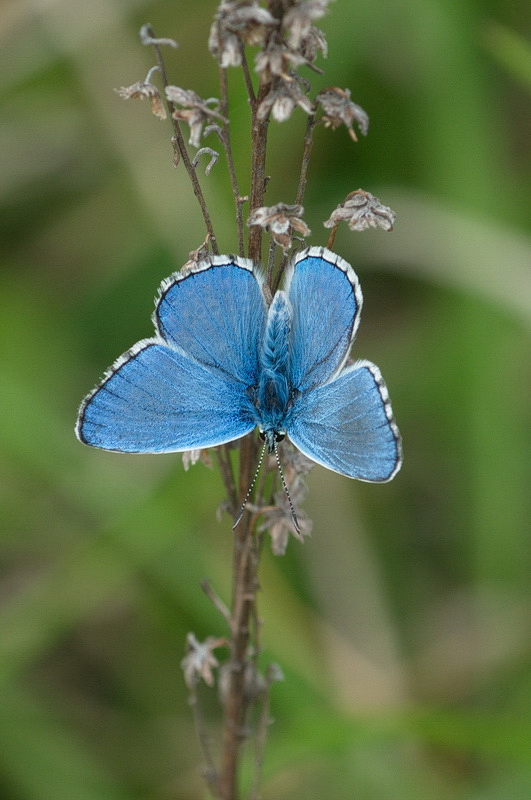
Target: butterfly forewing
326, 300
216, 314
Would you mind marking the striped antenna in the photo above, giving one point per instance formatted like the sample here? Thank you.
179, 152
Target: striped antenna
285, 485
251, 487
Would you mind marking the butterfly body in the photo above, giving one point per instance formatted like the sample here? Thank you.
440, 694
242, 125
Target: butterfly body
222, 362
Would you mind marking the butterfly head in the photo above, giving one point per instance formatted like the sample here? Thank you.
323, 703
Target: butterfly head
271, 438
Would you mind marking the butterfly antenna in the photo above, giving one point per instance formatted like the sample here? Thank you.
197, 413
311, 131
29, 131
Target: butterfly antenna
285, 485
250, 489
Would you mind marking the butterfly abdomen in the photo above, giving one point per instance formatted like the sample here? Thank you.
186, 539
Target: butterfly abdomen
274, 393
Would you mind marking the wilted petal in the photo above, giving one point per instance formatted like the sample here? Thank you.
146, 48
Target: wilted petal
143, 89
362, 210
285, 94
299, 19
280, 220
234, 24
195, 111
278, 520
339, 110
277, 60
191, 457
199, 660
312, 43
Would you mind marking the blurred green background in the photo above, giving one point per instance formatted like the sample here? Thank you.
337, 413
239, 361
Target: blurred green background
402, 625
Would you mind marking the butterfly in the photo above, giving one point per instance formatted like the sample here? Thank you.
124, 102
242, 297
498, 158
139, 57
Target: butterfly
222, 362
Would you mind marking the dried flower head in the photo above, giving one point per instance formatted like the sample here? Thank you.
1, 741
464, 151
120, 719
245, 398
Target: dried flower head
278, 519
191, 457
277, 59
194, 257
143, 89
312, 43
338, 109
284, 96
280, 220
199, 660
236, 23
298, 19
195, 111
362, 210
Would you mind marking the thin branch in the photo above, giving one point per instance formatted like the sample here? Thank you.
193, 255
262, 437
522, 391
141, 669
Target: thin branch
330, 242
179, 140
248, 80
226, 141
264, 721
306, 153
216, 601
271, 262
210, 772
227, 475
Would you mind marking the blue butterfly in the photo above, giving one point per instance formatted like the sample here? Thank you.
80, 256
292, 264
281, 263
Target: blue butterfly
222, 362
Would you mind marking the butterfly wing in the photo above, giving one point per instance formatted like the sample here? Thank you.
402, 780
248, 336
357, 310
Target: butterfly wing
326, 300
347, 425
186, 387
216, 314
155, 399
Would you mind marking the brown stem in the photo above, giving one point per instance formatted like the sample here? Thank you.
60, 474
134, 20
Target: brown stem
226, 141
306, 153
225, 468
209, 772
330, 242
248, 79
179, 141
258, 175
245, 585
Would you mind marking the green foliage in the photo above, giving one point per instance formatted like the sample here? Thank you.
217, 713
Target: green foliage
402, 625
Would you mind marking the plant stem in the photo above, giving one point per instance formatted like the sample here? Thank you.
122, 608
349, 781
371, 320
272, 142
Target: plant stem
226, 141
332, 236
181, 147
258, 176
245, 585
307, 151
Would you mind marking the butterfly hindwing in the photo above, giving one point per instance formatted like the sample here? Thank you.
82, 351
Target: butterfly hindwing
155, 399
326, 299
347, 425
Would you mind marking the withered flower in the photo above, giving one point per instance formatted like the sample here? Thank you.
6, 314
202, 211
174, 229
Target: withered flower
280, 220
200, 660
195, 111
278, 519
299, 18
235, 23
194, 258
362, 210
339, 110
284, 96
312, 43
191, 457
277, 59
279, 523
142, 89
